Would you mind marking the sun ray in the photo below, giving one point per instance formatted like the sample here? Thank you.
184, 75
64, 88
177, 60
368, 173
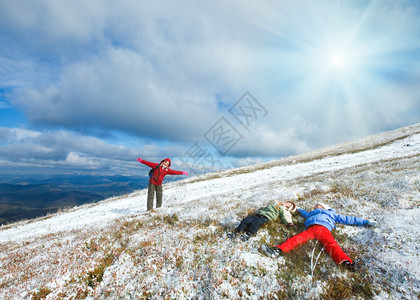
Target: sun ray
264, 27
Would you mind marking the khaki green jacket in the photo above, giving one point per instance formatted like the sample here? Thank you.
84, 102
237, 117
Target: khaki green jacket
273, 212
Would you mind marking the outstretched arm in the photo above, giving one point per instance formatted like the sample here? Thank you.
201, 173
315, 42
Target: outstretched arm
147, 163
349, 220
174, 172
303, 212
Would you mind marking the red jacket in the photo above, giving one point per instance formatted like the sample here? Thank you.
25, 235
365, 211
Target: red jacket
159, 173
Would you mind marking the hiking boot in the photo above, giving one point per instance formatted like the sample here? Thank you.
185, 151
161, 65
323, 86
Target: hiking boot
245, 236
349, 266
232, 235
272, 252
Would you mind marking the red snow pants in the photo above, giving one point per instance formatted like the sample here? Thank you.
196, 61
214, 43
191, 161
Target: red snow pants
323, 235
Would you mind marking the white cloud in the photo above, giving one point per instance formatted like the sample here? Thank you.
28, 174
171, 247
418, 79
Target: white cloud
249, 161
120, 91
264, 141
4, 105
16, 134
75, 160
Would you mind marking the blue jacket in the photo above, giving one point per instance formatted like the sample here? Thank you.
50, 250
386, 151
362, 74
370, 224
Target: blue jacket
328, 218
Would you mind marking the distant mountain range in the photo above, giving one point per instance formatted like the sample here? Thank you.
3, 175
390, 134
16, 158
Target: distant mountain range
27, 197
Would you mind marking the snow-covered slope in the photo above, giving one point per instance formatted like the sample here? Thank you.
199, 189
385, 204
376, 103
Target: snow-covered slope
116, 249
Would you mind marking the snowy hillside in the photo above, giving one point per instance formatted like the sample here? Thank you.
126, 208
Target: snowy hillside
115, 249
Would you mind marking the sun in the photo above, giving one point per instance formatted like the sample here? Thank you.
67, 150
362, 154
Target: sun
338, 60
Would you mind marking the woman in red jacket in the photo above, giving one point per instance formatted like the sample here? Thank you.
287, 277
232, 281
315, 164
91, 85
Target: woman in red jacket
158, 172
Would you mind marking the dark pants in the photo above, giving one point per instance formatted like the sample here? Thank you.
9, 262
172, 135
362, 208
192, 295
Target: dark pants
151, 196
251, 224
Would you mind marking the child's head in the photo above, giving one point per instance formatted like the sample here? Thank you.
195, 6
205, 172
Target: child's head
321, 206
290, 206
166, 163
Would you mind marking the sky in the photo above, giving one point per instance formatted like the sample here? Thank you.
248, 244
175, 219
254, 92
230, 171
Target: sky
86, 87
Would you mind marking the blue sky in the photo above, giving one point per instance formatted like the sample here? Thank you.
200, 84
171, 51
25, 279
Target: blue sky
88, 86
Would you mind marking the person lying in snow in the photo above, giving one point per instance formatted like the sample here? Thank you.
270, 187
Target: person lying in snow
318, 225
158, 172
272, 212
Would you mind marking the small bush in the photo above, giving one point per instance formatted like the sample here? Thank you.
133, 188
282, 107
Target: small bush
95, 276
347, 287
171, 220
41, 294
